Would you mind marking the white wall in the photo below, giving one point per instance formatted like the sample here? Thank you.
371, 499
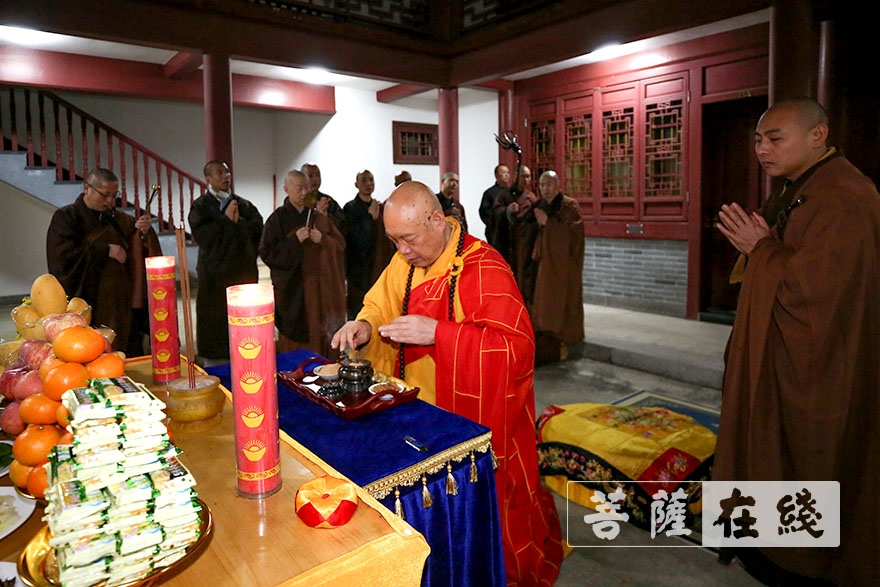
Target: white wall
23, 227
268, 143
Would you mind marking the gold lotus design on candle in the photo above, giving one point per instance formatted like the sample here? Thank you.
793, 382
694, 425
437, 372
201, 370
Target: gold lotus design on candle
163, 355
252, 416
253, 450
160, 314
162, 334
159, 293
249, 347
251, 382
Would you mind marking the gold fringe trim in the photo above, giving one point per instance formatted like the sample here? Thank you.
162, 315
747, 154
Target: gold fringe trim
426, 494
381, 488
451, 485
398, 507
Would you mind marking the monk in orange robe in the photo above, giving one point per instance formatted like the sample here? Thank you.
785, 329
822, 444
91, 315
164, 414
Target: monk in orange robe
446, 315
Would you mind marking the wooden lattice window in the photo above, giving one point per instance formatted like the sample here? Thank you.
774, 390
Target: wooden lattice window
578, 155
664, 150
618, 159
415, 143
543, 146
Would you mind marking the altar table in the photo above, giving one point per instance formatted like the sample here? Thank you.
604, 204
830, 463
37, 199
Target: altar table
463, 530
263, 542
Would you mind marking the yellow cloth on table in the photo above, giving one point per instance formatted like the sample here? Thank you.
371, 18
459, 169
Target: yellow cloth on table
601, 442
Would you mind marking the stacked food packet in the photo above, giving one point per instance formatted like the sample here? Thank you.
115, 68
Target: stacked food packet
120, 503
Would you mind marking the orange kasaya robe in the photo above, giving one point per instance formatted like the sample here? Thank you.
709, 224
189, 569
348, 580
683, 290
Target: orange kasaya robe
480, 367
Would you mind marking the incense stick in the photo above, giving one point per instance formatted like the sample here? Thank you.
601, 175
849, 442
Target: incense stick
187, 308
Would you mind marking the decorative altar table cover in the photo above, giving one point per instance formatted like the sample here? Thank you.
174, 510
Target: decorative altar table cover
462, 530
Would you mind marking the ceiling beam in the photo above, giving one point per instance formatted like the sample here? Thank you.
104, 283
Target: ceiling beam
63, 71
183, 64
400, 91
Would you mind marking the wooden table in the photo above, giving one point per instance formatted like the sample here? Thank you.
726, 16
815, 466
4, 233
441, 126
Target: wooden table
263, 542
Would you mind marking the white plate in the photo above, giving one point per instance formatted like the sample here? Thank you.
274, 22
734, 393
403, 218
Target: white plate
23, 510
4, 470
9, 570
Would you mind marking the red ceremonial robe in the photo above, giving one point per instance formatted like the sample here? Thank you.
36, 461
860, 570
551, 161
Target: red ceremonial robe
480, 367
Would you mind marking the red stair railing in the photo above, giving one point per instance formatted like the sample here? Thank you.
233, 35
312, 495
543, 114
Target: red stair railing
73, 153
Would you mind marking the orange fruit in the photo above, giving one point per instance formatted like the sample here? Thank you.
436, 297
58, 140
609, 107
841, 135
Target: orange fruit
62, 415
38, 409
32, 447
38, 482
78, 344
64, 377
66, 437
107, 365
48, 364
18, 474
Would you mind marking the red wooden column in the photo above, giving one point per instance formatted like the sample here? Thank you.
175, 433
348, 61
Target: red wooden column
506, 123
447, 113
793, 50
218, 108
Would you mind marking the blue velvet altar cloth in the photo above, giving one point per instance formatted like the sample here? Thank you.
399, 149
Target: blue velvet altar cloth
463, 530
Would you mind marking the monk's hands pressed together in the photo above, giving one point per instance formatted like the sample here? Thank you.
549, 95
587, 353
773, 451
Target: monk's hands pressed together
117, 253
742, 229
541, 217
353, 334
411, 329
232, 211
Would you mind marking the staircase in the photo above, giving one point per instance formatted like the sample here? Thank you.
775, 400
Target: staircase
47, 147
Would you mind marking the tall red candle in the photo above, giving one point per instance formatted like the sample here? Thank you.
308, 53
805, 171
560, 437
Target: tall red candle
164, 336
251, 310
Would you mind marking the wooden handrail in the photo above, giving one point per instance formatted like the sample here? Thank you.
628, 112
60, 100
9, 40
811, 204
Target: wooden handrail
136, 166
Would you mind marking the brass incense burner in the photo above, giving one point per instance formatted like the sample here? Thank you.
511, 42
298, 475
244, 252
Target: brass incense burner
355, 375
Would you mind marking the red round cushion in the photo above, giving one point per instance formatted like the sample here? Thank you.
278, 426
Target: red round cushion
326, 502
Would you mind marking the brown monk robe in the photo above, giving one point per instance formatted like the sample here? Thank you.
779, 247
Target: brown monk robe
801, 391
556, 307
78, 247
303, 249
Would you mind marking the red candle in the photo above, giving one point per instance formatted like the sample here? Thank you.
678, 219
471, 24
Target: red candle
251, 309
164, 337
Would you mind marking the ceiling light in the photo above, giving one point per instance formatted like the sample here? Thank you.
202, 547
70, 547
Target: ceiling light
22, 36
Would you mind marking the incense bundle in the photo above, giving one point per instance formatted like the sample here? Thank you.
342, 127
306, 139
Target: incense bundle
186, 298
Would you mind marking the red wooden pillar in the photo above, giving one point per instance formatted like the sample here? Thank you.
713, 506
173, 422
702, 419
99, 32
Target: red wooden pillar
506, 122
218, 108
447, 113
793, 50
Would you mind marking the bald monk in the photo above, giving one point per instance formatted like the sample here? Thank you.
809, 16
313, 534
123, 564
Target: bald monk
801, 390
473, 355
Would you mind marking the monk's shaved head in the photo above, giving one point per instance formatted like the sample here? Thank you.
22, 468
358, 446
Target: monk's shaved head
415, 223
806, 111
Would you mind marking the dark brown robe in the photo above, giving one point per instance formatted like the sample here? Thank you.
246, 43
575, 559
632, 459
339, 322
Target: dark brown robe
77, 247
557, 307
802, 381
227, 256
308, 278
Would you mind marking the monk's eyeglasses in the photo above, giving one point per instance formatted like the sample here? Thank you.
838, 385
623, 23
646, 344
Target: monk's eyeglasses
107, 196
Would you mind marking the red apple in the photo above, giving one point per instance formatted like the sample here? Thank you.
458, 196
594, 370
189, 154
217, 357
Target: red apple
32, 352
9, 379
57, 322
11, 422
28, 385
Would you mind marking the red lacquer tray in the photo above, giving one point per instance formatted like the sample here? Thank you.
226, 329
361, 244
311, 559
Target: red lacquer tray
352, 405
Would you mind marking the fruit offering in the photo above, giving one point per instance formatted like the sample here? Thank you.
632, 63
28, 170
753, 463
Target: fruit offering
57, 350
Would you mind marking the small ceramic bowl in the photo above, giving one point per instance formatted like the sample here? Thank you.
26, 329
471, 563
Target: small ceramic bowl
329, 371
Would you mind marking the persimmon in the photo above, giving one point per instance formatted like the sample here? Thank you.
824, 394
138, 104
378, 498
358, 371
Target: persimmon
107, 365
32, 447
38, 482
38, 409
64, 377
62, 415
18, 474
78, 344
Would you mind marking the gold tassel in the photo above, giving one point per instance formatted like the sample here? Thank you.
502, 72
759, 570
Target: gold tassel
494, 458
473, 476
398, 507
451, 485
426, 495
